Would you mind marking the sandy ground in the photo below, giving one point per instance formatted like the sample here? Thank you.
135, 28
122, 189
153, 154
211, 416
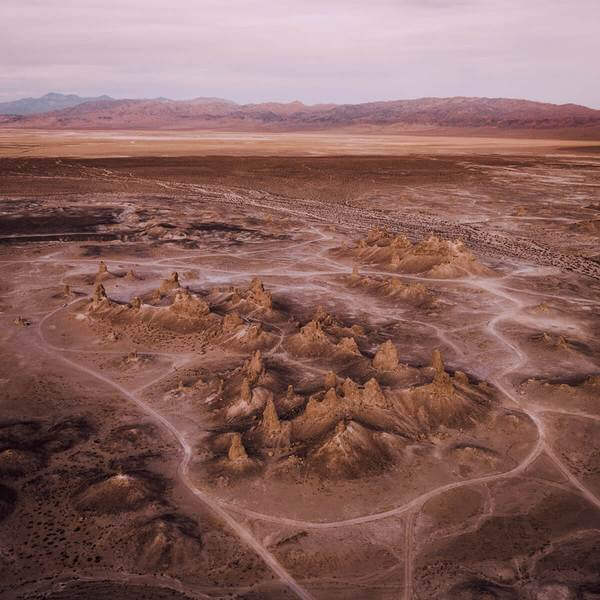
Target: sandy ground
207, 436
14, 143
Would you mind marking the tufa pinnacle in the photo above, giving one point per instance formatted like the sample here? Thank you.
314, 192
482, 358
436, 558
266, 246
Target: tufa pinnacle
236, 448
386, 358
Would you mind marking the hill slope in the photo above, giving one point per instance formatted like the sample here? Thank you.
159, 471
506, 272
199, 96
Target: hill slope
47, 103
217, 114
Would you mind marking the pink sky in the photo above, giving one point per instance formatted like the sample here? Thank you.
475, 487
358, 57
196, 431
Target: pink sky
311, 50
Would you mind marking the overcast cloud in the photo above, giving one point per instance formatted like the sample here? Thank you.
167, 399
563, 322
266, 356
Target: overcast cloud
311, 50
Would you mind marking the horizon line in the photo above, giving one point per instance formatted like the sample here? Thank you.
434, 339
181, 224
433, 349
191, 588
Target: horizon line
288, 102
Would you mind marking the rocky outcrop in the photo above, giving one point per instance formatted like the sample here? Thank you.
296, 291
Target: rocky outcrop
461, 378
246, 391
432, 257
237, 452
169, 284
136, 303
249, 400
413, 293
189, 306
167, 541
231, 322
441, 379
322, 317
120, 492
273, 432
330, 380
313, 333
100, 301
270, 420
21, 321
311, 340
319, 416
350, 451
254, 367
373, 397
349, 430
351, 391
253, 337
391, 289
557, 342
99, 294
187, 313
446, 402
258, 295
103, 273
254, 297
386, 357
349, 345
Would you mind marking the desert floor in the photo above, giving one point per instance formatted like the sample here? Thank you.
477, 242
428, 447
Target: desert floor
275, 420
108, 144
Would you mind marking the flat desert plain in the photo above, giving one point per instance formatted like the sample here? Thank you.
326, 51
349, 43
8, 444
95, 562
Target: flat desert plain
311, 366
124, 143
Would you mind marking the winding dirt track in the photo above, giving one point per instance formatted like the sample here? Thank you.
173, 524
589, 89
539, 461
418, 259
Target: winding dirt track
241, 532
510, 307
361, 219
223, 510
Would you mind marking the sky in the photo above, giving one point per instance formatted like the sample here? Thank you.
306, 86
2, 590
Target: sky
311, 50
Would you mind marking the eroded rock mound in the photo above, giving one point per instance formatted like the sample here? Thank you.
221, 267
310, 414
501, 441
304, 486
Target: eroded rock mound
345, 430
581, 394
272, 432
103, 274
256, 293
168, 285
391, 288
237, 452
181, 311
386, 357
131, 275
432, 257
254, 367
188, 306
99, 299
322, 336
252, 336
251, 299
186, 313
551, 341
120, 492
168, 541
237, 460
352, 450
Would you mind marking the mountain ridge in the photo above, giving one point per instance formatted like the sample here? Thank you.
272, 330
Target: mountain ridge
48, 102
220, 114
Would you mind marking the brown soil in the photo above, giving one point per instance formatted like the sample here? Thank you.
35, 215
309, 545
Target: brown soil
337, 377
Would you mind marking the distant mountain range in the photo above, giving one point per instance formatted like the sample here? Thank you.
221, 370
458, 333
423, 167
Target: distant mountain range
57, 111
47, 103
